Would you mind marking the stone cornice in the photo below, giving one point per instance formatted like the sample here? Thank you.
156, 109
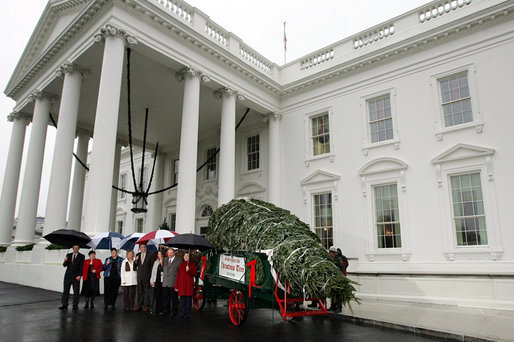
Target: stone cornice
18, 82
444, 33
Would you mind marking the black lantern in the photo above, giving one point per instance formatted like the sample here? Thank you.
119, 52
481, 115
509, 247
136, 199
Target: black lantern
139, 202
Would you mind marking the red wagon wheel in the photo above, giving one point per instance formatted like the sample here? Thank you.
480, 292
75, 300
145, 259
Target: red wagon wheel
237, 307
199, 298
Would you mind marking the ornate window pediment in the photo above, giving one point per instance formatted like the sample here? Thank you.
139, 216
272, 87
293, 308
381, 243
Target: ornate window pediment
251, 189
320, 176
382, 165
462, 151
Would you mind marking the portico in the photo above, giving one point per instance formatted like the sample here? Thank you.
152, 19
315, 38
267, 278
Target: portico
86, 90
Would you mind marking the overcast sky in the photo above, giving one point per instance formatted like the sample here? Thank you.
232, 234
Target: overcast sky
311, 25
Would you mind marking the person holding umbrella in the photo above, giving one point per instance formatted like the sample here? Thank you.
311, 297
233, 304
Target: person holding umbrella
184, 285
129, 281
169, 275
90, 279
112, 280
74, 264
156, 281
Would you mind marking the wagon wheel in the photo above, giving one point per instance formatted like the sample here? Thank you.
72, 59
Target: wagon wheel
237, 307
199, 298
288, 307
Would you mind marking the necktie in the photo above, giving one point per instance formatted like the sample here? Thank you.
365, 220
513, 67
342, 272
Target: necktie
143, 258
73, 259
169, 262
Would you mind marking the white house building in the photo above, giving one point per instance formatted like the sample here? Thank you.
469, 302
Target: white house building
394, 144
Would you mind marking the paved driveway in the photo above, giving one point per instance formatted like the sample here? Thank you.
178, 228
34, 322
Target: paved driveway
28, 314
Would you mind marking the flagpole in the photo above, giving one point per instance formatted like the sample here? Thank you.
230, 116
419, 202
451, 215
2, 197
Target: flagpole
285, 43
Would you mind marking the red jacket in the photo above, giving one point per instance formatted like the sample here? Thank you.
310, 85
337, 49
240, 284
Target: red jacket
97, 265
185, 280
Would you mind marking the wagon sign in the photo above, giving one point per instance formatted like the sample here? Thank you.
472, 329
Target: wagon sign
232, 267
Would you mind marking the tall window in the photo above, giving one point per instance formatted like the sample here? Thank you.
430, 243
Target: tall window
211, 164
173, 220
139, 225
175, 171
323, 223
380, 120
123, 185
468, 209
387, 216
119, 227
252, 152
456, 99
320, 134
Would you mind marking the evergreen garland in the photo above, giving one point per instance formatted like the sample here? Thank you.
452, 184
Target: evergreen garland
252, 225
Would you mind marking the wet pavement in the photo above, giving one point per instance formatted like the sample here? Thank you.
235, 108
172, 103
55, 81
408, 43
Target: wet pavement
30, 314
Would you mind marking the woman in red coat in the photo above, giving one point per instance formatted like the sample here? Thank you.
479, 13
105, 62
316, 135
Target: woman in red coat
90, 275
184, 285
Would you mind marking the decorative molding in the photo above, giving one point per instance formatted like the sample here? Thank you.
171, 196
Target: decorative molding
188, 72
382, 165
68, 67
113, 31
389, 257
19, 116
474, 255
276, 116
462, 151
320, 176
226, 91
39, 95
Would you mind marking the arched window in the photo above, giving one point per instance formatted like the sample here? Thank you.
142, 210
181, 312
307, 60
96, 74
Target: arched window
207, 211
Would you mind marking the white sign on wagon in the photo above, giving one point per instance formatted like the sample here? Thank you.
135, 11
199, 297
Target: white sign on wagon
232, 267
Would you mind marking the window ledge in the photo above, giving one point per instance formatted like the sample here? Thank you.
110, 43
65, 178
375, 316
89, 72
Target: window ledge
329, 156
484, 253
395, 254
478, 125
207, 181
394, 142
245, 173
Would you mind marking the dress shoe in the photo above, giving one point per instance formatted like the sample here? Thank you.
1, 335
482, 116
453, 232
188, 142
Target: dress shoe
63, 308
75, 307
106, 308
136, 309
86, 306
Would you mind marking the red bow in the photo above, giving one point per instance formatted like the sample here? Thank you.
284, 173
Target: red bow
252, 277
204, 263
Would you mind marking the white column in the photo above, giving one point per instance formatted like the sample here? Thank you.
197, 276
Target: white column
227, 159
186, 189
59, 188
98, 202
33, 168
77, 189
155, 201
115, 181
12, 176
274, 159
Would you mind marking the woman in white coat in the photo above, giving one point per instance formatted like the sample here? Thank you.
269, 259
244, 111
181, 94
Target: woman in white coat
128, 281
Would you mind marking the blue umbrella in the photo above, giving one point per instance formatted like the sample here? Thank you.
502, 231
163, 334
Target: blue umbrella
129, 243
105, 240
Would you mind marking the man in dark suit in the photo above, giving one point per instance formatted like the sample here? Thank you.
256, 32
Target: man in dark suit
169, 275
144, 263
73, 262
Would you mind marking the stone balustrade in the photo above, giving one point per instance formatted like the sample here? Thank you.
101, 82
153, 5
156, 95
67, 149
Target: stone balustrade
373, 35
317, 58
255, 59
438, 9
216, 33
177, 8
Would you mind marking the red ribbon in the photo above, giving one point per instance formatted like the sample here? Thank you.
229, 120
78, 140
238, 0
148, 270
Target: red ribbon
204, 263
252, 277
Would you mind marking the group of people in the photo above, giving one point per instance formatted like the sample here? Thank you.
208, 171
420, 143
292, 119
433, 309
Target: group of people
161, 276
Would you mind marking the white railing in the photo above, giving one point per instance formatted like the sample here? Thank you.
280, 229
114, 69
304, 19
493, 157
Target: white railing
254, 58
317, 58
441, 8
216, 33
373, 36
178, 8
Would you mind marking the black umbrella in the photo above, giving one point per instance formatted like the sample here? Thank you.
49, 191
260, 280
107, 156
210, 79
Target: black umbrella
68, 238
189, 241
